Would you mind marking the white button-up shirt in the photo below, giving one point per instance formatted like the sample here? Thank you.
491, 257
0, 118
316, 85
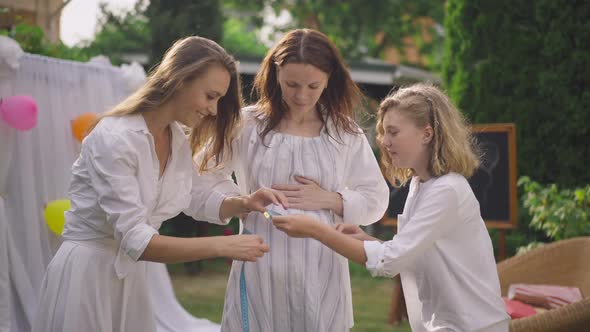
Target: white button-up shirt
116, 191
444, 255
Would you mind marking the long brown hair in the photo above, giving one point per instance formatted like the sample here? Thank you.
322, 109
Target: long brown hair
307, 46
452, 149
184, 61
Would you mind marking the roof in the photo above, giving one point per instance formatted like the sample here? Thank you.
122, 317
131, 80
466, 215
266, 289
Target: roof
377, 73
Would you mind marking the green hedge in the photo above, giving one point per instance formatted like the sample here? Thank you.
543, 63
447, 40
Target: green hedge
526, 62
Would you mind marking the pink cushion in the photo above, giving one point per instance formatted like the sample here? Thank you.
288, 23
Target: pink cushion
545, 296
517, 309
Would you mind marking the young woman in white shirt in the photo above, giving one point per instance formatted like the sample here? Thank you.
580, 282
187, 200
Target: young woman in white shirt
300, 138
442, 250
136, 170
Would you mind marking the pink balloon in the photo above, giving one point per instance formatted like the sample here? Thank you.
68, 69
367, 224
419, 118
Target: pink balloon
19, 112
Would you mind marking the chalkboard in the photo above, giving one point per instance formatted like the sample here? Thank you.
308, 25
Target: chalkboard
493, 183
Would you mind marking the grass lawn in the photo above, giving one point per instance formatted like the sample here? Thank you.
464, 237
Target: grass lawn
203, 295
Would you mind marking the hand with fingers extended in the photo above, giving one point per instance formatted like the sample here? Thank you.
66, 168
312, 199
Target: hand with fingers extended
243, 247
309, 196
258, 200
298, 225
242, 205
354, 231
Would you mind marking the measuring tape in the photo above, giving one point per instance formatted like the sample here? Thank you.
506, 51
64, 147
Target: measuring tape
244, 294
243, 291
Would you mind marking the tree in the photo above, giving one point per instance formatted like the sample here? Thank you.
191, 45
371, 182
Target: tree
172, 20
133, 31
119, 34
150, 29
360, 28
241, 41
526, 62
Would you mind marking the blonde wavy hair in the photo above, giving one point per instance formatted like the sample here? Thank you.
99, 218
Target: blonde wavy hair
184, 61
452, 149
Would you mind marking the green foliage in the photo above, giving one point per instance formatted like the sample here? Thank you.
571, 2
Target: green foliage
120, 33
132, 31
529, 247
31, 39
523, 235
526, 62
560, 213
354, 25
238, 40
172, 20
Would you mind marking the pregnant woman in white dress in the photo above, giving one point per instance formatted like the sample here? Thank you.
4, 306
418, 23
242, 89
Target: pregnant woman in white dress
300, 138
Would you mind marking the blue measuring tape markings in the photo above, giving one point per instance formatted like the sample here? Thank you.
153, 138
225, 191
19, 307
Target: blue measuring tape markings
243, 290
244, 293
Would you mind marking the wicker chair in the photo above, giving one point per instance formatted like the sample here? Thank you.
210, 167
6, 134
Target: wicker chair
565, 263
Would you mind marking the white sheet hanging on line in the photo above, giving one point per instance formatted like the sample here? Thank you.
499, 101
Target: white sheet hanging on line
40, 172
6, 147
41, 162
5, 292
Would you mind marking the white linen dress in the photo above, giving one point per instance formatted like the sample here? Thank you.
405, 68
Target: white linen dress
445, 258
300, 284
95, 281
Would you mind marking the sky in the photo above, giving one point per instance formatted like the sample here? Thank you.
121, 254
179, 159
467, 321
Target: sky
79, 18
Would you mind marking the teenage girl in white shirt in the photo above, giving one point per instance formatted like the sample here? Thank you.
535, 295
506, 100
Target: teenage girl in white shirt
442, 251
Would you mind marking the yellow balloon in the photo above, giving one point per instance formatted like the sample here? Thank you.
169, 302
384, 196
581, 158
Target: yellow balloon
54, 215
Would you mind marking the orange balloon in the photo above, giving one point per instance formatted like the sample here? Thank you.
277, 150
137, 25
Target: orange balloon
81, 124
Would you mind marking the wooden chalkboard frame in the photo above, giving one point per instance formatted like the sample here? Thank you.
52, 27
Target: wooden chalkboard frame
510, 130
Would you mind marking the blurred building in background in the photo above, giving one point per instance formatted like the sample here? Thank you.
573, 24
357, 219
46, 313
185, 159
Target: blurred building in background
44, 13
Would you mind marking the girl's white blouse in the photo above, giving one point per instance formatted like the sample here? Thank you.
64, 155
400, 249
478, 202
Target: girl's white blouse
444, 255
